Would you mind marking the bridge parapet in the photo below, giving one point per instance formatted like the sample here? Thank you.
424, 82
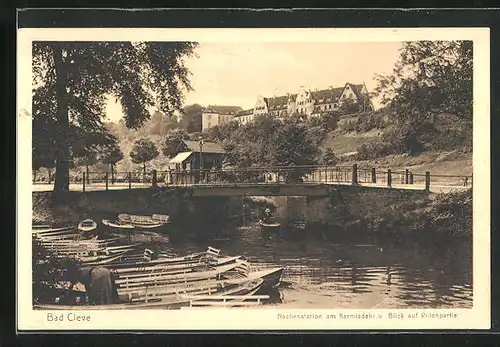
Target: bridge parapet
272, 177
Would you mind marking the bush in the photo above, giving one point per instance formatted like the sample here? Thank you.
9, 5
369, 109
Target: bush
369, 122
374, 150
349, 126
329, 157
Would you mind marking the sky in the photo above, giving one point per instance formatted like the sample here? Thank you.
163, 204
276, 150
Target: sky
235, 74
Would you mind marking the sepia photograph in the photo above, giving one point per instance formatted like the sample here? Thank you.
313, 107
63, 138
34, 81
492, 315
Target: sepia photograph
255, 174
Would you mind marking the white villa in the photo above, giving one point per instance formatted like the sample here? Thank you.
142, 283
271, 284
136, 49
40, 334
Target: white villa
311, 103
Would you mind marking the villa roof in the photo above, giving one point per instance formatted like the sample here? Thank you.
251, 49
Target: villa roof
222, 109
325, 96
277, 102
245, 113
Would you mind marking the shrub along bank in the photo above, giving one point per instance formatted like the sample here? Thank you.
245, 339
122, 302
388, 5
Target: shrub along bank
449, 214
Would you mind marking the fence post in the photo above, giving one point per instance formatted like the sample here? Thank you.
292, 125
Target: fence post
154, 180
427, 181
129, 180
411, 177
83, 189
389, 178
374, 175
354, 173
106, 181
407, 174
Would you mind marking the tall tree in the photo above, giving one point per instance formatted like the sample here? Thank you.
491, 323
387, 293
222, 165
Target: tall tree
111, 156
143, 151
430, 78
173, 141
77, 78
191, 118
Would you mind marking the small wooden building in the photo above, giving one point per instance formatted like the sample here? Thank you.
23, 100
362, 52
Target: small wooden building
194, 157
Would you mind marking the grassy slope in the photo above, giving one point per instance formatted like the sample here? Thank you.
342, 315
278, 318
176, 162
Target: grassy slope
439, 163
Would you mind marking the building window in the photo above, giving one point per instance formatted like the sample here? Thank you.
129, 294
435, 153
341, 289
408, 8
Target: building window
330, 106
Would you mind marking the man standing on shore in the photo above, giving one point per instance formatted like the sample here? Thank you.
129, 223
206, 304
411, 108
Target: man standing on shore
99, 285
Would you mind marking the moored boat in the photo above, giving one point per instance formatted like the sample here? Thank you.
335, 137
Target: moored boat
153, 221
87, 225
45, 229
269, 226
117, 224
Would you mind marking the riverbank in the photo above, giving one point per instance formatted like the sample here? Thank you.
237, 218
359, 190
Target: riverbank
453, 162
445, 214
392, 212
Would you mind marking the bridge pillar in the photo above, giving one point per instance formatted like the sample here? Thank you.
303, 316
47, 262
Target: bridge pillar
407, 174
427, 181
154, 180
389, 178
354, 173
374, 175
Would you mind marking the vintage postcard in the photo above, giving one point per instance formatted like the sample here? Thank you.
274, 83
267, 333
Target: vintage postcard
262, 179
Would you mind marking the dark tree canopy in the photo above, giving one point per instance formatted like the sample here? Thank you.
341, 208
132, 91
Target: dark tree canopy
270, 141
73, 80
191, 119
112, 155
431, 78
143, 151
173, 141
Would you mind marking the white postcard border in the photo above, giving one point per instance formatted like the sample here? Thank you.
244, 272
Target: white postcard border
269, 318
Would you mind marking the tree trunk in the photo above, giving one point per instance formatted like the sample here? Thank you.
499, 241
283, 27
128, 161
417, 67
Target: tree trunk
87, 173
112, 173
144, 172
61, 185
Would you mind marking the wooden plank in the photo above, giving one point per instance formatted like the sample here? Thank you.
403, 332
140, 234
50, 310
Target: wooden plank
229, 297
225, 303
187, 275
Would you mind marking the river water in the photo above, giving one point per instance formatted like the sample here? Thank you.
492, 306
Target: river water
344, 271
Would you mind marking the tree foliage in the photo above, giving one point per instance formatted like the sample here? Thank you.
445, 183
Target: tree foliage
143, 151
112, 155
191, 119
431, 78
329, 157
173, 141
73, 80
268, 141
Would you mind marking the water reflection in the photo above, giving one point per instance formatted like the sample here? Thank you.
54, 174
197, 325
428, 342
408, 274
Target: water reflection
346, 272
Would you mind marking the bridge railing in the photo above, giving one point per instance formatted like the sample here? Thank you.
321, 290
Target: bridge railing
270, 175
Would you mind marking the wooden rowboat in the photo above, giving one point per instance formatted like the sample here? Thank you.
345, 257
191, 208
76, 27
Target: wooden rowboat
174, 297
117, 224
87, 225
48, 229
269, 226
153, 221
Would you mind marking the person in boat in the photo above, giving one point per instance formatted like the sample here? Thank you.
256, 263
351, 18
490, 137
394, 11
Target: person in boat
268, 217
99, 285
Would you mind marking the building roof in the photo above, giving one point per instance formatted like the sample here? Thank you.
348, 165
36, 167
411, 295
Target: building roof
245, 113
277, 102
208, 146
180, 157
357, 88
326, 96
222, 109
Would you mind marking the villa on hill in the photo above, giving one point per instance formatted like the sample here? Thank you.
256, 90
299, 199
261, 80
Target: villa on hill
311, 103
